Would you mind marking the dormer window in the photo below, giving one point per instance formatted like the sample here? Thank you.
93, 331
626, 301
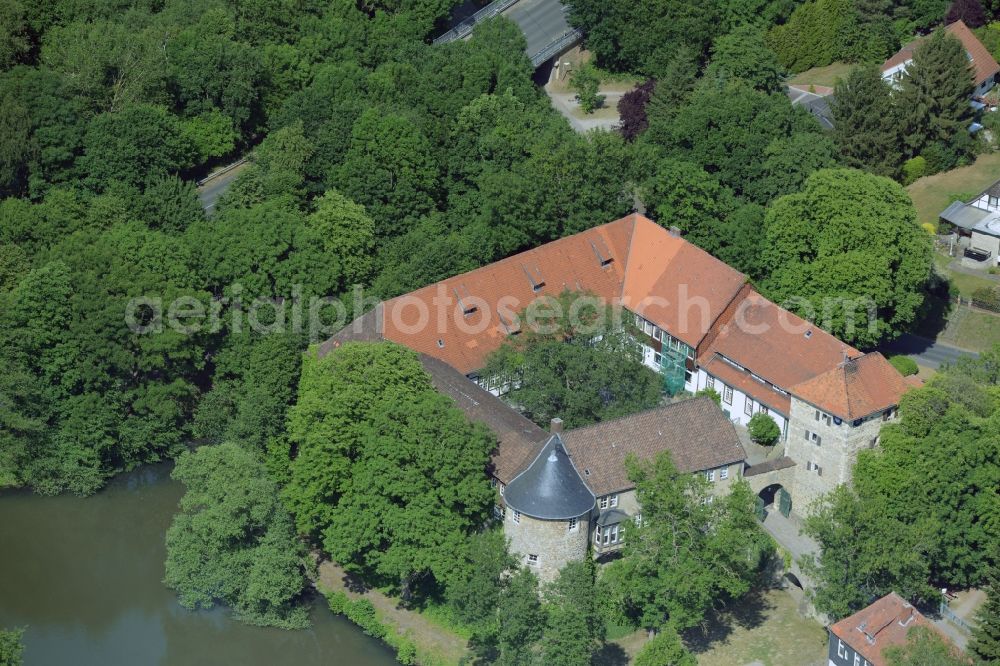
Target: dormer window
534, 275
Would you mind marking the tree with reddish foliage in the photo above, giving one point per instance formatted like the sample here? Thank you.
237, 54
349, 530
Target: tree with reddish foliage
632, 110
971, 12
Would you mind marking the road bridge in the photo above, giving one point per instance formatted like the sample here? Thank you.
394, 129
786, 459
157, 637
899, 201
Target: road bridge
543, 22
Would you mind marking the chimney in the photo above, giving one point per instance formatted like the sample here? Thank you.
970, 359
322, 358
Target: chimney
906, 615
675, 232
555, 426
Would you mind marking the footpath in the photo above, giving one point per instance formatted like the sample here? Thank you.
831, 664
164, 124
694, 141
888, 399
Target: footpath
430, 638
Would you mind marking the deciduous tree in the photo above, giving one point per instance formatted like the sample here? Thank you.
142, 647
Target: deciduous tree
846, 252
233, 542
986, 636
575, 627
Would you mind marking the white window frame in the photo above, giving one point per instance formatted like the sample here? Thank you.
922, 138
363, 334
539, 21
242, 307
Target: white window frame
501, 486
516, 517
748, 406
532, 560
710, 382
603, 502
841, 649
710, 475
724, 473
727, 394
574, 524
613, 502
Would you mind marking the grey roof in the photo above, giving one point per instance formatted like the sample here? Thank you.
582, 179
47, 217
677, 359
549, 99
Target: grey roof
990, 225
612, 516
550, 488
963, 215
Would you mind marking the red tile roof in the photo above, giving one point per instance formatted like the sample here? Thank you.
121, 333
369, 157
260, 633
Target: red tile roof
503, 289
858, 387
677, 286
777, 345
984, 64
885, 623
743, 381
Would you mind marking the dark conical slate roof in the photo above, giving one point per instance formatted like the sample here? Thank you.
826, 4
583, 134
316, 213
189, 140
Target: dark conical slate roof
550, 488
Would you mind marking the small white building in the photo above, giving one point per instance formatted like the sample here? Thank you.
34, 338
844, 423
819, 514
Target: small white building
977, 224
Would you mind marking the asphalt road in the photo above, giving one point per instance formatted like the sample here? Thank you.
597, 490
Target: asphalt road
209, 193
927, 352
541, 21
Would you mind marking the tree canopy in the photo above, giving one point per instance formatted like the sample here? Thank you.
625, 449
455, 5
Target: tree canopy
687, 553
581, 371
846, 253
233, 541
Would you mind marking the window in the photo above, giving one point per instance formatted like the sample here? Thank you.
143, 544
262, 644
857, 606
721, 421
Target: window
764, 410
691, 353
493, 482
610, 535
647, 328
597, 537
857, 659
807, 436
656, 332
516, 517
813, 467
687, 376
573, 524
604, 502
814, 438
724, 473
638, 519
727, 395
748, 406
707, 499
532, 560
710, 382
710, 475
816, 416
657, 358
499, 511
841, 649
614, 500
501, 489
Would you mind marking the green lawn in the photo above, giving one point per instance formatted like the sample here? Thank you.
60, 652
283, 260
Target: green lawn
767, 627
932, 194
963, 282
823, 76
971, 329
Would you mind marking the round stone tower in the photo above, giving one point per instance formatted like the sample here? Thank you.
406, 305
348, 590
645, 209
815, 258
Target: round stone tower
548, 512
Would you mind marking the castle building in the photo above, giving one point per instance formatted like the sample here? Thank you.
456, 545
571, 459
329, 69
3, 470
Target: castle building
699, 323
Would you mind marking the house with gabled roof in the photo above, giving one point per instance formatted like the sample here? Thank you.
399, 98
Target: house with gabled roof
699, 323
863, 638
984, 66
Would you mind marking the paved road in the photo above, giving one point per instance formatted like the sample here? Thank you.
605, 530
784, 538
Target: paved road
927, 352
541, 21
209, 193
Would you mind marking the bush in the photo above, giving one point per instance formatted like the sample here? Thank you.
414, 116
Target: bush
906, 365
914, 168
586, 82
987, 298
362, 613
763, 430
711, 393
338, 602
406, 652
929, 227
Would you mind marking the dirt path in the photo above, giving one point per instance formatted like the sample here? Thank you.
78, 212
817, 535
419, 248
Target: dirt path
429, 637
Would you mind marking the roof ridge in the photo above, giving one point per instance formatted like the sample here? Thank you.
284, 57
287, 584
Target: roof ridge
617, 419
628, 253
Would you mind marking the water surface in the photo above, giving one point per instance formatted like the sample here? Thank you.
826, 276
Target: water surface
85, 577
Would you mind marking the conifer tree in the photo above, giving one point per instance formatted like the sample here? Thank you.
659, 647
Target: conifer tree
865, 122
986, 637
934, 101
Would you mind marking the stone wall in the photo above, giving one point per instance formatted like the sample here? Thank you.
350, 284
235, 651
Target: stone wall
551, 540
834, 456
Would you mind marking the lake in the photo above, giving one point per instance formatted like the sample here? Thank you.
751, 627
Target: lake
84, 575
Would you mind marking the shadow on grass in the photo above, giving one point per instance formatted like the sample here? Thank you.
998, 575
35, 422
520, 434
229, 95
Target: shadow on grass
748, 612
609, 655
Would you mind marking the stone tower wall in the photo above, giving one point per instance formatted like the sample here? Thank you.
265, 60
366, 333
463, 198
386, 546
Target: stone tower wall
835, 455
552, 540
